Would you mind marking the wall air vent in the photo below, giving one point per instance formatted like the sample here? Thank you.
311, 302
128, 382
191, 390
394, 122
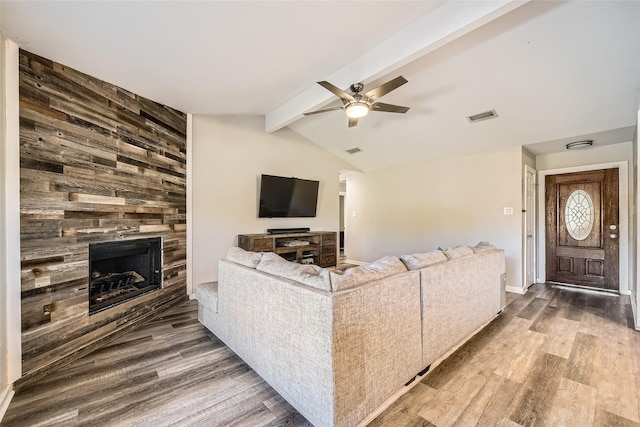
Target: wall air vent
353, 150
483, 116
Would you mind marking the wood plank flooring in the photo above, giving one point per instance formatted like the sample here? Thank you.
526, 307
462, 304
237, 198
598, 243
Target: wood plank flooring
555, 357
172, 371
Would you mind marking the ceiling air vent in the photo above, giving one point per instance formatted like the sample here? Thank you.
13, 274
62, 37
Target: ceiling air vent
483, 116
353, 150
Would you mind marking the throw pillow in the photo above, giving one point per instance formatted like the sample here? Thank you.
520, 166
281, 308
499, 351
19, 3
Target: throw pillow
246, 258
418, 261
384, 267
307, 274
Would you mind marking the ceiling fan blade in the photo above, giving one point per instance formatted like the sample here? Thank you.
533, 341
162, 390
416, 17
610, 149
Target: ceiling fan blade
388, 108
344, 96
353, 122
385, 88
323, 111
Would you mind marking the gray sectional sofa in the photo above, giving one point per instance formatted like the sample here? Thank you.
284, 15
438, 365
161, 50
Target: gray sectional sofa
336, 345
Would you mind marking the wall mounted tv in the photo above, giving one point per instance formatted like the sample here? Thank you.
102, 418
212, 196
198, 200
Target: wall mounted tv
282, 197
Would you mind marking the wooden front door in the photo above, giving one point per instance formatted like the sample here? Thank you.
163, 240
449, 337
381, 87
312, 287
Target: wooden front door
582, 228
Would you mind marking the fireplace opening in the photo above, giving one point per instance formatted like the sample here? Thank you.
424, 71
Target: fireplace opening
120, 271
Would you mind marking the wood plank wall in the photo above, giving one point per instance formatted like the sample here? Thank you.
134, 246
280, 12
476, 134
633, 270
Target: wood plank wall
97, 163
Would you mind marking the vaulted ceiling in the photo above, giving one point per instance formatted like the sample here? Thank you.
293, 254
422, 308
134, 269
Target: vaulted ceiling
554, 72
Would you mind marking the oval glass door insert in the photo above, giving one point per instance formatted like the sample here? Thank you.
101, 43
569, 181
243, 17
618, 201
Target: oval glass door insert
579, 214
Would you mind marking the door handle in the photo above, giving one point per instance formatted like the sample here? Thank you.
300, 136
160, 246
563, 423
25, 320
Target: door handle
613, 235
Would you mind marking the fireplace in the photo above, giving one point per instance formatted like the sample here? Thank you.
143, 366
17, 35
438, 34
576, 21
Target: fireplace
120, 271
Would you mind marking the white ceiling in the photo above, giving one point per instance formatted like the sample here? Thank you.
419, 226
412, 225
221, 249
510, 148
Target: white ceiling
553, 71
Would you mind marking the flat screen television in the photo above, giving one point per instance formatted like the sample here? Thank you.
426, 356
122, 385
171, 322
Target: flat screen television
282, 197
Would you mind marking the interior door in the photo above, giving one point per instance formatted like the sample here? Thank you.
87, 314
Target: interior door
529, 226
582, 228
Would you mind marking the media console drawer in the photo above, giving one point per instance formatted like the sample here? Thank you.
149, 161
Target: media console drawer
263, 245
327, 260
329, 238
255, 244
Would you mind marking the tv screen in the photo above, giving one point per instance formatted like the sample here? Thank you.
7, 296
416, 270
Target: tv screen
282, 197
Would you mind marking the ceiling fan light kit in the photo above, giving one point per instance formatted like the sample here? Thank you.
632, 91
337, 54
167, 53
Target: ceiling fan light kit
358, 105
356, 110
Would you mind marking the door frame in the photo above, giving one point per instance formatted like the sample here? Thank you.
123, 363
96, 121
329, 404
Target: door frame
529, 211
623, 208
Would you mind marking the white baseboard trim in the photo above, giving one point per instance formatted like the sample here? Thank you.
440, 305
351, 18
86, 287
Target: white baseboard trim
5, 399
516, 290
353, 261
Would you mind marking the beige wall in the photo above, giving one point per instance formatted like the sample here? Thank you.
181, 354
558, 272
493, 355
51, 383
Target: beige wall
586, 156
448, 202
4, 381
528, 158
229, 155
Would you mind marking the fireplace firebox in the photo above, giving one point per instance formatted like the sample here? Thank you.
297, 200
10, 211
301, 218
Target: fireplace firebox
122, 270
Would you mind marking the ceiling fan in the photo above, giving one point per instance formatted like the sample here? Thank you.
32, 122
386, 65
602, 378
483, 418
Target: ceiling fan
358, 105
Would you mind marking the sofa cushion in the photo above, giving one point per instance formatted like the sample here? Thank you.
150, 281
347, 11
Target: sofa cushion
246, 258
310, 275
483, 247
457, 252
384, 267
418, 261
207, 295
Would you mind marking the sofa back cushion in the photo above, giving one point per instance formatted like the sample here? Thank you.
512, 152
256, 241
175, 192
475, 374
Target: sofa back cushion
246, 258
457, 252
376, 270
418, 261
310, 275
483, 247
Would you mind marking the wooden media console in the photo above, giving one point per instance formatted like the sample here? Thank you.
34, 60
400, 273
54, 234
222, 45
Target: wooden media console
306, 248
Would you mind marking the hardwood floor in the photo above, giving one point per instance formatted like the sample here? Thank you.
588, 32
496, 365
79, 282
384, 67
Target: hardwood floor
172, 371
554, 357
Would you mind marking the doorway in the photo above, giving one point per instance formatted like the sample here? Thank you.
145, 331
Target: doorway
582, 228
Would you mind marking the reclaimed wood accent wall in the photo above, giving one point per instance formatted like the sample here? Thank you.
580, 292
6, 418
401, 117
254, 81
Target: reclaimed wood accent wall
97, 163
